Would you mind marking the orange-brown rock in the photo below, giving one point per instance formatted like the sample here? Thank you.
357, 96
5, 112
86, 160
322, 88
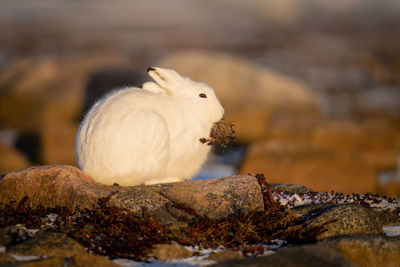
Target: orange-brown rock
327, 155
68, 186
50, 186
11, 158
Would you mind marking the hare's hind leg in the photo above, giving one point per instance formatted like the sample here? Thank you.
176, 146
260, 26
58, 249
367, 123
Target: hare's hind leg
139, 149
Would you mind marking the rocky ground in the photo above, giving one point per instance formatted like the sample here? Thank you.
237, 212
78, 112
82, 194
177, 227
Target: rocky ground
56, 215
312, 87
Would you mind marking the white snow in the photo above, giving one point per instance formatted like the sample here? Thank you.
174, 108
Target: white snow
290, 200
393, 230
198, 260
24, 258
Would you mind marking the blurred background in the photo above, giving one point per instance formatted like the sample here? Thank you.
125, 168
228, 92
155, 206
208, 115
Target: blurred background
313, 86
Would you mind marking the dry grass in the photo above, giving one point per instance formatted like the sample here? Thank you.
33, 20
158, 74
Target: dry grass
116, 232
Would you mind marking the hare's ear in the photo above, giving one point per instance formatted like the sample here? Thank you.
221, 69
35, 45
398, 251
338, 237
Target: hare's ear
154, 88
167, 79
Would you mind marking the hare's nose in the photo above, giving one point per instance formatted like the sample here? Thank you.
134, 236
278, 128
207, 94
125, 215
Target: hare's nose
150, 69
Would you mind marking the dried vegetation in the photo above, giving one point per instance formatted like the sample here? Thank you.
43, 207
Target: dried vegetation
222, 133
116, 232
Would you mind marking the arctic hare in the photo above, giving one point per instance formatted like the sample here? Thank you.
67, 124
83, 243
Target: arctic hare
151, 135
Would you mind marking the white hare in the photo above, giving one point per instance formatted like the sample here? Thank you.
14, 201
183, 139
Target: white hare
151, 135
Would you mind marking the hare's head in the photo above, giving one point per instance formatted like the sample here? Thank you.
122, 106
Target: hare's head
199, 95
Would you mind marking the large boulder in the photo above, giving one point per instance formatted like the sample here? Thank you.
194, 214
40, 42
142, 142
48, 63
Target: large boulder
366, 249
48, 244
54, 249
61, 185
345, 219
294, 257
50, 186
327, 155
11, 158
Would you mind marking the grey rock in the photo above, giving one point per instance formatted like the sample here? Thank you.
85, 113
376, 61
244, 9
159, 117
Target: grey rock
63, 185
11, 158
307, 256
226, 255
340, 219
216, 198
4, 259
49, 262
387, 217
88, 260
169, 251
50, 186
15, 233
292, 188
366, 249
48, 244
5, 237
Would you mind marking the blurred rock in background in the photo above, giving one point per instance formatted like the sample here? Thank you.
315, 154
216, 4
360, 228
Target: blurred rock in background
312, 86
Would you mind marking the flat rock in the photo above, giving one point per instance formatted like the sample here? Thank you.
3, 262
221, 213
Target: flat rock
11, 158
366, 249
226, 255
50, 262
292, 188
48, 244
216, 198
307, 256
386, 216
344, 219
171, 251
4, 258
15, 233
50, 186
321, 150
5, 237
63, 185
88, 260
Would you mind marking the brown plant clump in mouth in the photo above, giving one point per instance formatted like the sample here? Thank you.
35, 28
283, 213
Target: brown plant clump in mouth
222, 133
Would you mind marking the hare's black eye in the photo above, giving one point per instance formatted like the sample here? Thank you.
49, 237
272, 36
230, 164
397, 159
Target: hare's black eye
203, 95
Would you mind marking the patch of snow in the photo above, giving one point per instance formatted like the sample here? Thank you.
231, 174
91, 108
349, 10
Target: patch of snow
24, 258
290, 200
393, 230
188, 262
215, 170
277, 243
199, 260
50, 219
221, 165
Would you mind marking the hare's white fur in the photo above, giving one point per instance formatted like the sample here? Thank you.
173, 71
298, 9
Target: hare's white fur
151, 135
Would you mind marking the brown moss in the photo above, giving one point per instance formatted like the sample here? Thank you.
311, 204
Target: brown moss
222, 133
